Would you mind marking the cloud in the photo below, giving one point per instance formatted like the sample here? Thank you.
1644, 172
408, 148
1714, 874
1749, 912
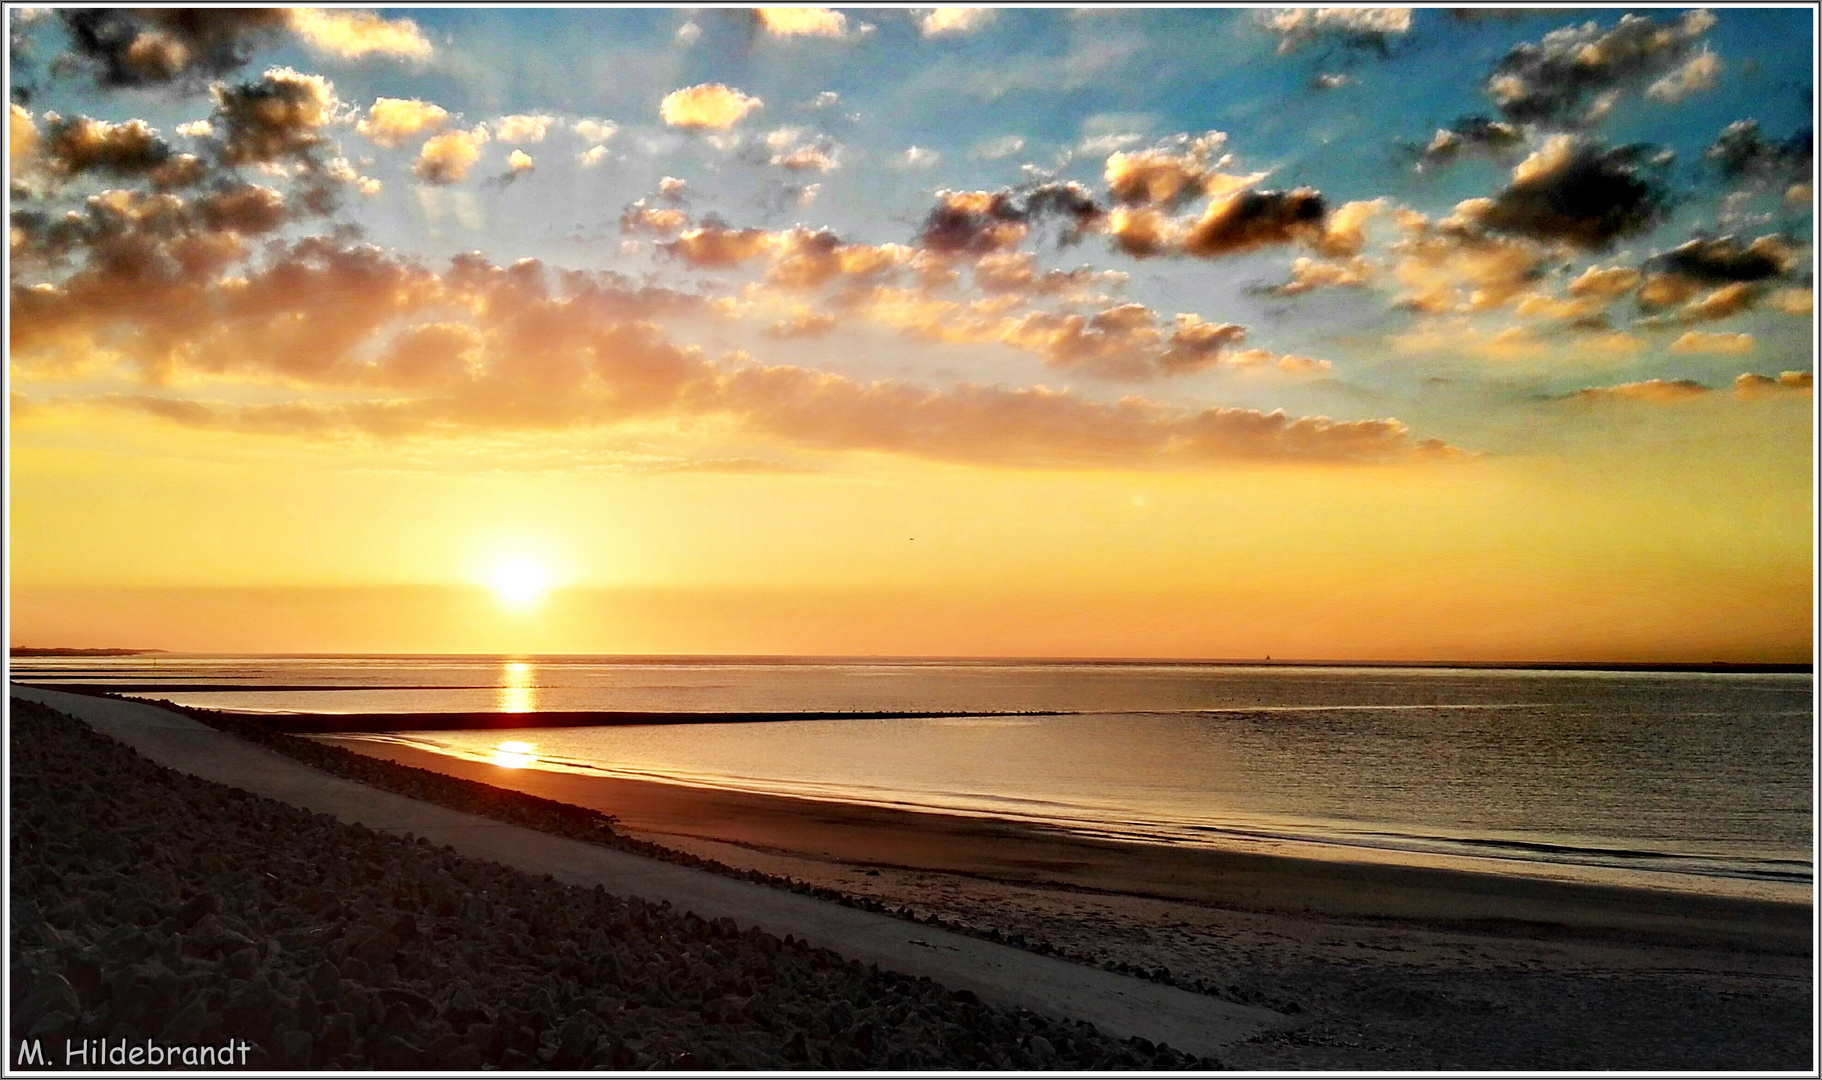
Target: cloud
523, 128
519, 162
688, 34
447, 158
1470, 134
155, 46
1161, 177
1696, 341
658, 220
1605, 283
1575, 74
994, 149
917, 157
353, 34
1659, 391
1438, 261
407, 351
672, 189
818, 154
279, 117
953, 20
1290, 363
715, 245
1573, 191
1308, 274
1723, 259
1800, 302
390, 121
1361, 28
1697, 73
982, 221
1750, 385
591, 157
21, 135
709, 106
147, 47
1743, 153
595, 131
1251, 219
801, 323
801, 22
75, 145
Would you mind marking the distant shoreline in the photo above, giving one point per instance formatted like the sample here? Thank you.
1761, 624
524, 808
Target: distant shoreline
1716, 666
31, 651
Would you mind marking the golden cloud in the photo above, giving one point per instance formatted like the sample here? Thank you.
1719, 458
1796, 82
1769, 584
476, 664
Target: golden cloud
707, 106
447, 158
523, 128
354, 34
1696, 341
802, 22
390, 121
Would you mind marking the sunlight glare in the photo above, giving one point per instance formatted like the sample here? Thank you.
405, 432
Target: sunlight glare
514, 754
520, 583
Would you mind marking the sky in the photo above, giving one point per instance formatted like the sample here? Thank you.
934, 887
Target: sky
1338, 333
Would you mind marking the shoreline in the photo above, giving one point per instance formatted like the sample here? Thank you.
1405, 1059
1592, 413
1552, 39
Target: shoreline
845, 836
1718, 666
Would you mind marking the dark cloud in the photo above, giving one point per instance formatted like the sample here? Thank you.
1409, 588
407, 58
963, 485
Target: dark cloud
1571, 77
1574, 191
1251, 218
159, 46
279, 117
1722, 260
125, 151
1743, 153
1470, 135
1370, 29
984, 221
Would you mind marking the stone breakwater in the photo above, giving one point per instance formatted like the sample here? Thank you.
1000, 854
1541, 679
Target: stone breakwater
150, 905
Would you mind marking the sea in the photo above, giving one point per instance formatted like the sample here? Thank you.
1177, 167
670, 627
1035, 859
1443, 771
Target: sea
1692, 781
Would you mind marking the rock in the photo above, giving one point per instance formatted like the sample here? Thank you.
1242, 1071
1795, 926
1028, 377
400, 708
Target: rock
52, 992
1042, 1048
194, 1025
377, 950
294, 1050
203, 903
576, 1041
53, 1027
325, 981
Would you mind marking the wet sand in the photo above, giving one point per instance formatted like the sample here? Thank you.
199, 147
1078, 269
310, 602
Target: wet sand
846, 834
1394, 967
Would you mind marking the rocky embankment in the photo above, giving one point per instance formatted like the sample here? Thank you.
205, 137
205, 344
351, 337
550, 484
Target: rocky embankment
150, 905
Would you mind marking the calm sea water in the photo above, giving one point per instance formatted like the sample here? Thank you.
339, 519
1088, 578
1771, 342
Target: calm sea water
1689, 781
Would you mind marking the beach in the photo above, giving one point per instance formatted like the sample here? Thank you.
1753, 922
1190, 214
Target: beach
155, 911
1392, 966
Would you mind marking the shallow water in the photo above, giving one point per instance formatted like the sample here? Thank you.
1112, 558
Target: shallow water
1693, 781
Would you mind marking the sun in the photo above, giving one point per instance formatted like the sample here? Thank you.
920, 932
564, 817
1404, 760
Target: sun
519, 583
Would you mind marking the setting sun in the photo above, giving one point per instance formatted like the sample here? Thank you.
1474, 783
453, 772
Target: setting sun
519, 583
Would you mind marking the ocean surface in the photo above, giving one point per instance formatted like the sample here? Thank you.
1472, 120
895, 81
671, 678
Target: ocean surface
1691, 781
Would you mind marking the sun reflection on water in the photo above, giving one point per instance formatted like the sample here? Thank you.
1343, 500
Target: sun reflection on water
518, 691
515, 755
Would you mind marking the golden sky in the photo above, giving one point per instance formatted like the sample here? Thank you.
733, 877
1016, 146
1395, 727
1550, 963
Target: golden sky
769, 343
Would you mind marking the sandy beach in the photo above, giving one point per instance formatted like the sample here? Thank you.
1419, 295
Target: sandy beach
1396, 967
157, 913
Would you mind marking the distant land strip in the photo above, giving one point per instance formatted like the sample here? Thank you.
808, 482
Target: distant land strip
26, 650
373, 723
93, 687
